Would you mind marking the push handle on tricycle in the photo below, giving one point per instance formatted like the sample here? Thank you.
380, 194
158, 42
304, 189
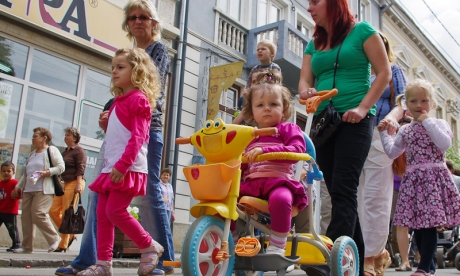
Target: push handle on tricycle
311, 104
257, 132
265, 131
183, 140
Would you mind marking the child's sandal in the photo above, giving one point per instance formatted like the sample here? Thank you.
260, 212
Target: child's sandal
101, 268
149, 258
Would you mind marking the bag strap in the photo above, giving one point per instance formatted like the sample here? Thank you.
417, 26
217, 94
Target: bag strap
392, 94
49, 157
79, 199
336, 64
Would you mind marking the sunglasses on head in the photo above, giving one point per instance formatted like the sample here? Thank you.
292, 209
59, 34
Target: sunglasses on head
140, 17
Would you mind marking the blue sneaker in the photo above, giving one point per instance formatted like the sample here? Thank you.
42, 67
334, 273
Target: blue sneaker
157, 272
67, 271
166, 269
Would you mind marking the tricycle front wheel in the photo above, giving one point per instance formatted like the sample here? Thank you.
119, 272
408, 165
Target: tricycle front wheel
201, 245
344, 257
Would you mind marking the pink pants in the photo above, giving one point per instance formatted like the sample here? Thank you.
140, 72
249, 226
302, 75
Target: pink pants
111, 212
280, 206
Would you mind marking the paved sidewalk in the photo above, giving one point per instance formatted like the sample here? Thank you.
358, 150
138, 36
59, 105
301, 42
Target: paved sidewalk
41, 258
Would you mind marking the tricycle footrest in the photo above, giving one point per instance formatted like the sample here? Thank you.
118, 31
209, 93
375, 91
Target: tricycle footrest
265, 262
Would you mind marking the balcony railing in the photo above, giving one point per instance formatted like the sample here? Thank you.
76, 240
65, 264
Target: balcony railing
231, 34
290, 44
295, 43
288, 39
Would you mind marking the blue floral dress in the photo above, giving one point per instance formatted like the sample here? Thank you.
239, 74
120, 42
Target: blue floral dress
428, 197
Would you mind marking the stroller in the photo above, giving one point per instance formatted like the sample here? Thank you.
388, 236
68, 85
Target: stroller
395, 257
448, 247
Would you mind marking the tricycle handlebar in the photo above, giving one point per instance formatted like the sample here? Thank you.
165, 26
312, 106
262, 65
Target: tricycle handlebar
311, 104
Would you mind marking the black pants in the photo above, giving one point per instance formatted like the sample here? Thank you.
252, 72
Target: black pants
12, 226
426, 240
341, 159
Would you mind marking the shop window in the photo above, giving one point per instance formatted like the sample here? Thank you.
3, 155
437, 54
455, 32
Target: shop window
54, 113
13, 58
97, 87
97, 94
231, 7
55, 73
228, 104
10, 100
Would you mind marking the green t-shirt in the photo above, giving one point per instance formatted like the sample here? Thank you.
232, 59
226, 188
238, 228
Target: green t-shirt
352, 79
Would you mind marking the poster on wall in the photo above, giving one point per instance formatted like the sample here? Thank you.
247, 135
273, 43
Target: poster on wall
6, 90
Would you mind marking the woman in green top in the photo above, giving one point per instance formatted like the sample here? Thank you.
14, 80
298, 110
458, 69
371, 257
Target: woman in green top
342, 157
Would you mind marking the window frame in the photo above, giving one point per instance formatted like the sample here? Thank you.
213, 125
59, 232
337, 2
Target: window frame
281, 5
78, 99
305, 21
366, 7
226, 110
228, 9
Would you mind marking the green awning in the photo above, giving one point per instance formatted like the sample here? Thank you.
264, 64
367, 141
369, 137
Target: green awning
5, 69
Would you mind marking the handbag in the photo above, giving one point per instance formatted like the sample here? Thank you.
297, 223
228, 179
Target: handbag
327, 121
73, 223
58, 191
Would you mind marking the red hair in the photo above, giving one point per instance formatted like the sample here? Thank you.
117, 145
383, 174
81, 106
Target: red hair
341, 19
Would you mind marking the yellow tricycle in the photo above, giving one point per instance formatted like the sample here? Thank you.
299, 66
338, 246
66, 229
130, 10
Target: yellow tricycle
209, 249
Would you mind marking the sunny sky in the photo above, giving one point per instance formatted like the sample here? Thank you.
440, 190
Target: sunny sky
448, 13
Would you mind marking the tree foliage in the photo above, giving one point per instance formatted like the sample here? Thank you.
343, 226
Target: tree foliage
452, 154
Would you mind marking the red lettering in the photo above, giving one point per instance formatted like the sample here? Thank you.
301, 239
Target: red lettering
46, 17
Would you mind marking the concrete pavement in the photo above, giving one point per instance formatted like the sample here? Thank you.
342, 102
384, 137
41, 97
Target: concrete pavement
41, 258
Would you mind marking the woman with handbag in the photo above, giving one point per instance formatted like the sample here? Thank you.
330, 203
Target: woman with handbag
37, 189
73, 177
341, 157
375, 192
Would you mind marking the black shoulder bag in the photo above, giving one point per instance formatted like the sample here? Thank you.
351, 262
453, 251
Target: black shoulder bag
58, 191
327, 121
73, 223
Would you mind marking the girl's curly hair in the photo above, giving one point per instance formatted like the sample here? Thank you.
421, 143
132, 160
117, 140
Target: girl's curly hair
269, 81
145, 76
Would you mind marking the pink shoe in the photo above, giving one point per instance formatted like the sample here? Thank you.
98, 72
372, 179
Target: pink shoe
420, 272
101, 268
149, 258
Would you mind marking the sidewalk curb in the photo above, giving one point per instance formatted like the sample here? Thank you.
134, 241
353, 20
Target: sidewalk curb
59, 263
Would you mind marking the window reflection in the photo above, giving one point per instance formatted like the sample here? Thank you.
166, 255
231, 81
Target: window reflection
10, 98
53, 72
97, 88
13, 58
89, 125
49, 111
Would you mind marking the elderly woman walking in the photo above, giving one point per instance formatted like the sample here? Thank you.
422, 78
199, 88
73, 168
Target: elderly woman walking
142, 23
37, 197
74, 183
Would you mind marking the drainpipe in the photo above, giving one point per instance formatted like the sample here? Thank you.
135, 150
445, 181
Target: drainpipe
176, 111
383, 9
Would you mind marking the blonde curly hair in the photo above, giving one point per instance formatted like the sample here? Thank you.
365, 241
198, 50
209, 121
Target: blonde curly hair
144, 77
